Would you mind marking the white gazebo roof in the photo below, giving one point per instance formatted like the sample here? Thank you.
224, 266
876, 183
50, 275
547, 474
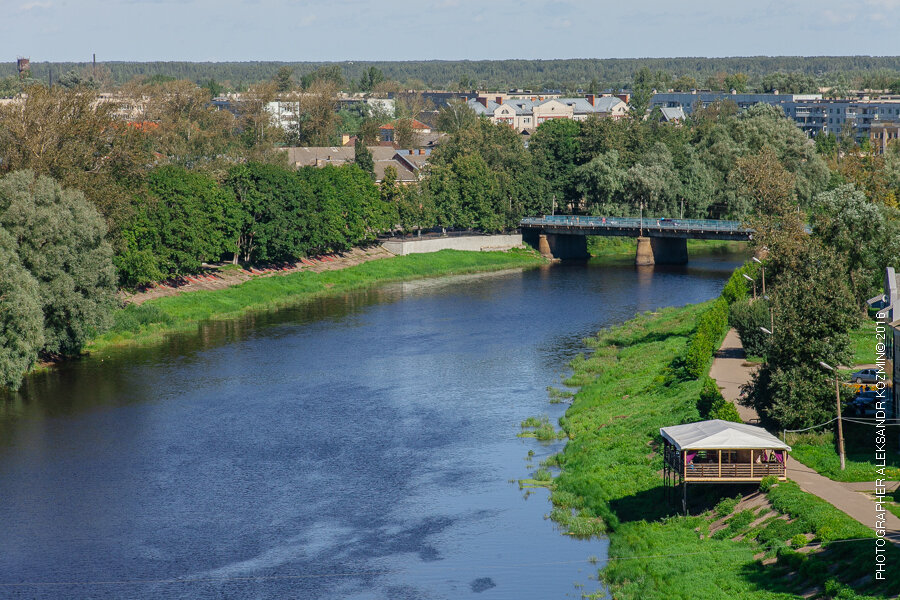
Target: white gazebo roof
721, 435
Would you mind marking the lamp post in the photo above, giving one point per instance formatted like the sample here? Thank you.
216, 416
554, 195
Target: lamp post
771, 309
762, 268
837, 391
751, 280
641, 234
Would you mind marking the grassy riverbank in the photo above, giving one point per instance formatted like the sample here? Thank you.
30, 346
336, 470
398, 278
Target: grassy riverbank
153, 319
625, 247
633, 384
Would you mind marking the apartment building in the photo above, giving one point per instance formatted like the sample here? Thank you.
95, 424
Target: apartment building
527, 113
812, 113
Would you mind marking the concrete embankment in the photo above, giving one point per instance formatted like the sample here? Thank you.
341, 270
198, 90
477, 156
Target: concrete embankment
476, 243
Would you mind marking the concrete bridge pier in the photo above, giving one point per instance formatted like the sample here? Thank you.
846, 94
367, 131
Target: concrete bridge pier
661, 251
644, 255
557, 246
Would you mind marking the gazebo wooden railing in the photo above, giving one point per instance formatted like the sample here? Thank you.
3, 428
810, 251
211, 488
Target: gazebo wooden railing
712, 465
719, 451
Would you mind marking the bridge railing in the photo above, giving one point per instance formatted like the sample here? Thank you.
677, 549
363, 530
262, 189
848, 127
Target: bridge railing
635, 223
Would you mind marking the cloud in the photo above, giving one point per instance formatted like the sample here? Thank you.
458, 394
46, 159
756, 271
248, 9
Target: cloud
34, 5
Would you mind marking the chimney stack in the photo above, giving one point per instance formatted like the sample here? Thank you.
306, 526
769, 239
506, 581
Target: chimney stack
592, 99
483, 101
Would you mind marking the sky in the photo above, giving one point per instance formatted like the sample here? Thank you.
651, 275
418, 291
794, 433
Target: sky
338, 30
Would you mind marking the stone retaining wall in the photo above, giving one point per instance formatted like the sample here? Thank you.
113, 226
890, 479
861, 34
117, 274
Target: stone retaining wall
477, 243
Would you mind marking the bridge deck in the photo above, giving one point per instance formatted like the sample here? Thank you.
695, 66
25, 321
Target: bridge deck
633, 227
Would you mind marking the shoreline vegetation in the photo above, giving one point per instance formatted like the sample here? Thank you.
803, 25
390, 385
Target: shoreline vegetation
152, 320
773, 542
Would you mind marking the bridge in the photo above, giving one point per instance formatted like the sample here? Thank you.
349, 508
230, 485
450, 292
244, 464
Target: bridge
659, 241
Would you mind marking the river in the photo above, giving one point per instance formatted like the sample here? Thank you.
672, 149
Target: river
362, 446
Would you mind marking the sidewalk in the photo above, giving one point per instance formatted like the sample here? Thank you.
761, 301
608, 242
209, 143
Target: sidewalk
730, 372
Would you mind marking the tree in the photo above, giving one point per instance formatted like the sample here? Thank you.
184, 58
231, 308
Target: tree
455, 116
466, 192
685, 83
74, 138
405, 135
316, 123
21, 319
653, 183
186, 220
601, 183
555, 149
519, 189
641, 92
283, 79
363, 158
333, 74
277, 215
74, 79
855, 229
736, 82
60, 239
814, 311
826, 144
777, 221
415, 208
213, 88
371, 78
186, 130
747, 316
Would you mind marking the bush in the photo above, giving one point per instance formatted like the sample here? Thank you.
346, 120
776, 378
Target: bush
726, 506
710, 396
725, 410
711, 327
798, 541
747, 316
767, 482
736, 288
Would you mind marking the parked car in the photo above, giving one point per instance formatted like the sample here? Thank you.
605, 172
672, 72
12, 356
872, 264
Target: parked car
863, 405
865, 376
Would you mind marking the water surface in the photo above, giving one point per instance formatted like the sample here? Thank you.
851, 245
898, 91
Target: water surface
359, 447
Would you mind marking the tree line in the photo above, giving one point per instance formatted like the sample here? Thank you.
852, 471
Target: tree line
181, 183
759, 73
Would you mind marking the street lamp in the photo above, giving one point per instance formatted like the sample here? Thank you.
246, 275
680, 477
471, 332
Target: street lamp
764, 330
763, 269
771, 308
837, 391
751, 280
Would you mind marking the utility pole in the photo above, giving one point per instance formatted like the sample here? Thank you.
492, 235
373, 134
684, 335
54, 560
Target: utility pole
837, 392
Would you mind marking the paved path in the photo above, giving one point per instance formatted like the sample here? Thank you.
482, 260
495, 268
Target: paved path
730, 371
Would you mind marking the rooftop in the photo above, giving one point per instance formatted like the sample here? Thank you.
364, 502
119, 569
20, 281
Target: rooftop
721, 435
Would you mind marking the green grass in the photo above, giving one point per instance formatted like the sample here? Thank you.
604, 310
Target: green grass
610, 480
818, 451
625, 247
862, 343
152, 320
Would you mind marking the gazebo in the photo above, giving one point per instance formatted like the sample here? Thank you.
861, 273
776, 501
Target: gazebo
720, 452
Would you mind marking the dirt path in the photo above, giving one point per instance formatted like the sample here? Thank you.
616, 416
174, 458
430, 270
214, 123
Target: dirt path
220, 276
730, 371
